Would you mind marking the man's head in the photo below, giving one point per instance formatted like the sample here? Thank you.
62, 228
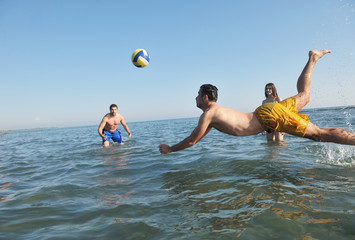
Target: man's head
209, 90
207, 93
113, 109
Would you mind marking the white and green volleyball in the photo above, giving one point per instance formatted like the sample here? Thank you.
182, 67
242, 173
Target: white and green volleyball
140, 58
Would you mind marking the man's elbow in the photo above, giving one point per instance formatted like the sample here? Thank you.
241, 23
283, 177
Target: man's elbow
192, 142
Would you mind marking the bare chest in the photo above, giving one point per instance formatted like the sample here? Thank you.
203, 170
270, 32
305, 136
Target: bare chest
113, 121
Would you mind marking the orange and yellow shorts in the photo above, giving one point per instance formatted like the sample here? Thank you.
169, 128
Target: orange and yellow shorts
282, 117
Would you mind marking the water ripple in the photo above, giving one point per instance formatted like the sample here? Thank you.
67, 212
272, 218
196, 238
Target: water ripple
222, 188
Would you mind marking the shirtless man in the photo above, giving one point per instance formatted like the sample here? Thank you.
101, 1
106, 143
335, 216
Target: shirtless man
109, 124
281, 117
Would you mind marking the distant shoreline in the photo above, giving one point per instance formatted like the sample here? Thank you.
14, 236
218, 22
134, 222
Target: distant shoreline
27, 130
167, 119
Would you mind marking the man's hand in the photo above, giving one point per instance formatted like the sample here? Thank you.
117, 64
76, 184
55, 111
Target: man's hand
163, 148
129, 135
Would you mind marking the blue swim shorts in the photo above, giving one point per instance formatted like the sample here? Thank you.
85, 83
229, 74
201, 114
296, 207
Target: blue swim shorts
116, 136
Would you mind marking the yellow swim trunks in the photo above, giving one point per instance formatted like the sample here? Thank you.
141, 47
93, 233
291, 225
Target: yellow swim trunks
282, 117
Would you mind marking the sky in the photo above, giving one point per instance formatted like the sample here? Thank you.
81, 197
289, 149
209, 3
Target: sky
63, 62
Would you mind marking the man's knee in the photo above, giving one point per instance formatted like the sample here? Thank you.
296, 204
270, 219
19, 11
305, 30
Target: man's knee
306, 97
316, 137
315, 133
302, 99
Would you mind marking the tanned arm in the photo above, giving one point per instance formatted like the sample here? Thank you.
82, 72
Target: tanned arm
197, 134
126, 127
101, 127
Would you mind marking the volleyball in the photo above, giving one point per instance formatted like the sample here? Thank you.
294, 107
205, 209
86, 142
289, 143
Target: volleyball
140, 58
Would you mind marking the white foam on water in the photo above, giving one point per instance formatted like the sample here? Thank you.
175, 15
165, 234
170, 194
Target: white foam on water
336, 154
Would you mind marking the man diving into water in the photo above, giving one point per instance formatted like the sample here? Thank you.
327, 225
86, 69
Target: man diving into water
280, 117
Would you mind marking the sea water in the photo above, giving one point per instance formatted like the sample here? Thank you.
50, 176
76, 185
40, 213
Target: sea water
63, 184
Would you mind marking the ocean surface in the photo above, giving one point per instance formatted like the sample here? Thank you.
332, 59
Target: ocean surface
62, 184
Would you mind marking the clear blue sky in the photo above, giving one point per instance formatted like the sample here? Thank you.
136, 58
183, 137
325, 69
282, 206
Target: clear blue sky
63, 62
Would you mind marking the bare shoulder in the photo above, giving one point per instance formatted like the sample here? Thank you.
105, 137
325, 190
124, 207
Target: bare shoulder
208, 113
106, 117
214, 110
119, 116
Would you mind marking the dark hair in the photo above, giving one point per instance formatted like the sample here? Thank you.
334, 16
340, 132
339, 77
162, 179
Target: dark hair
113, 105
274, 91
211, 92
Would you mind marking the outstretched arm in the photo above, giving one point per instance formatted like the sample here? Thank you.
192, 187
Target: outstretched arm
197, 134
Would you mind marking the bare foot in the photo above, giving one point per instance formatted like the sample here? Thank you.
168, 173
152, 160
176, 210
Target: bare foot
317, 54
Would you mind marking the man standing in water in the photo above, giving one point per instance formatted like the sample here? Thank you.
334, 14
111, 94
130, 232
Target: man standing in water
109, 124
280, 117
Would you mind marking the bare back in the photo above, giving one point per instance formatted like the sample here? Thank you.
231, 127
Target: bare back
233, 122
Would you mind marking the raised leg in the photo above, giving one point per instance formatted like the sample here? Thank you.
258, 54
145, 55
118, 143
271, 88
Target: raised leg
304, 80
335, 135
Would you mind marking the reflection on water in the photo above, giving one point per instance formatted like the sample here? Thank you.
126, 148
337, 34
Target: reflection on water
115, 181
3, 199
117, 161
5, 186
111, 200
223, 188
229, 204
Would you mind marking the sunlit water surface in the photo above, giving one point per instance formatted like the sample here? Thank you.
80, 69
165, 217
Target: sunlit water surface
62, 184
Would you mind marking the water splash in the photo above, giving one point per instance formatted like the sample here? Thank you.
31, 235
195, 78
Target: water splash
335, 154
349, 8
348, 117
